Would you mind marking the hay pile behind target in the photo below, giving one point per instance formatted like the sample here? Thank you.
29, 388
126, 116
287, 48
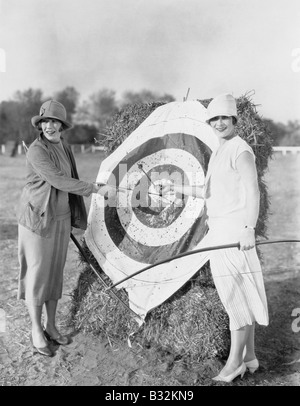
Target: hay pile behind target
192, 323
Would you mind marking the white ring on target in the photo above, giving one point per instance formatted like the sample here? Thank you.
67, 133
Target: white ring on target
166, 235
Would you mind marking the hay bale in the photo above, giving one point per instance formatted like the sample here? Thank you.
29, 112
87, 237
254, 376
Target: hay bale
125, 122
94, 310
192, 323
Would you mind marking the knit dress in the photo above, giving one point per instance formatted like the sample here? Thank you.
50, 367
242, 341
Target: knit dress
237, 274
42, 260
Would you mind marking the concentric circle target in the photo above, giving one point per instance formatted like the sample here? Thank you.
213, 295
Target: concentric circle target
145, 224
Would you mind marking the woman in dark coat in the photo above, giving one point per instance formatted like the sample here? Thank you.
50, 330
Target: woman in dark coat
51, 203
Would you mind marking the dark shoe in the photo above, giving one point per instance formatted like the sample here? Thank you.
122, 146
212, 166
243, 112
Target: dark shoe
59, 340
41, 350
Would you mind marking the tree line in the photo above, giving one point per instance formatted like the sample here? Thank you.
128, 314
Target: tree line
91, 117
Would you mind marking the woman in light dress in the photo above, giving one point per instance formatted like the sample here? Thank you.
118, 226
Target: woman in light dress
232, 198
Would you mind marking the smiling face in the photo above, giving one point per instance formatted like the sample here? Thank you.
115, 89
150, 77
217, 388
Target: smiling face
223, 127
51, 129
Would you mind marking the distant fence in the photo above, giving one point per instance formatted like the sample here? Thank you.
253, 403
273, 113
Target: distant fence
285, 150
84, 148
7, 149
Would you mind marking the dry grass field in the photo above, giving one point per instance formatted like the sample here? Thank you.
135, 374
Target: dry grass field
89, 361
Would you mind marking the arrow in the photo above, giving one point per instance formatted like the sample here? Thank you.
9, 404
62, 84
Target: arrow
140, 166
130, 190
184, 254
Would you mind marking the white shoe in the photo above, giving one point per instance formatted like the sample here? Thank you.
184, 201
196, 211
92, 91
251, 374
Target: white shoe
239, 371
252, 365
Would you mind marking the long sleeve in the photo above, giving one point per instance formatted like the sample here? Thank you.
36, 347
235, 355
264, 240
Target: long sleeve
45, 168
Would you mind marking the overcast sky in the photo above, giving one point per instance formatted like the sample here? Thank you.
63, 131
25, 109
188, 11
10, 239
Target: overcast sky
166, 46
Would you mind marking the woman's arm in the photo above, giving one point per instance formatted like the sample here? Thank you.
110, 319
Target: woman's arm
194, 191
45, 168
247, 169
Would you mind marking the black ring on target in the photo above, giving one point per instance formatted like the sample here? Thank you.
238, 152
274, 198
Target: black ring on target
124, 242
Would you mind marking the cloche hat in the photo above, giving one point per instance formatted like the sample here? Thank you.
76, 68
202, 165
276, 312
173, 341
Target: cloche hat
52, 109
222, 105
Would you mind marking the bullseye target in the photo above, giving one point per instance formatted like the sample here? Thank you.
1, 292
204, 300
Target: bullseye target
142, 224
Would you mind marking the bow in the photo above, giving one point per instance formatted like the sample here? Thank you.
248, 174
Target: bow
113, 294
184, 254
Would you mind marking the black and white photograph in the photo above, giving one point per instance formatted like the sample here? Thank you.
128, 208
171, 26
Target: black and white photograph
150, 195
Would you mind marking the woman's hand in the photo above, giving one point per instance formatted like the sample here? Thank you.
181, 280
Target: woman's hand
108, 190
96, 187
247, 239
104, 189
187, 190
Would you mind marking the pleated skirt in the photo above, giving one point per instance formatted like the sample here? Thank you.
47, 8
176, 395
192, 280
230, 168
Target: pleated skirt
237, 276
42, 262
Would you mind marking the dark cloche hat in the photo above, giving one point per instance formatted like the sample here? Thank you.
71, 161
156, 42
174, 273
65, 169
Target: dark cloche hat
52, 109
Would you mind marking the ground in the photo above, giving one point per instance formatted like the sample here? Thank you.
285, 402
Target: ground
91, 361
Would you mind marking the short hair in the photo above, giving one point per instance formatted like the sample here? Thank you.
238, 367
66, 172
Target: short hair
39, 125
234, 120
